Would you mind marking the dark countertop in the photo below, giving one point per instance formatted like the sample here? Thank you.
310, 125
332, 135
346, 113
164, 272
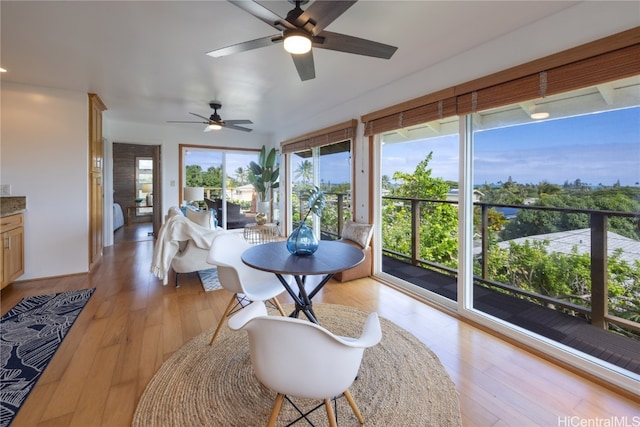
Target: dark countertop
11, 205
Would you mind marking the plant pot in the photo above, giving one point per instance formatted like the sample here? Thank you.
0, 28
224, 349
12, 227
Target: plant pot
302, 241
265, 208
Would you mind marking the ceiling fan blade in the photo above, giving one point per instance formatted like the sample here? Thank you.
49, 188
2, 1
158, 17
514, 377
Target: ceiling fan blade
322, 13
202, 117
260, 12
234, 127
245, 46
305, 66
174, 121
350, 44
238, 122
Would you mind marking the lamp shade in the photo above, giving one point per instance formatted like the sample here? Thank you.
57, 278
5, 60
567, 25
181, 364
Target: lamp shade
193, 193
147, 188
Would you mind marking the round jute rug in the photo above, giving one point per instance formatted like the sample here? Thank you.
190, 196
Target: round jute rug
401, 383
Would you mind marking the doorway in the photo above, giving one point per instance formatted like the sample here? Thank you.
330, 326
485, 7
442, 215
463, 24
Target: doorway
136, 188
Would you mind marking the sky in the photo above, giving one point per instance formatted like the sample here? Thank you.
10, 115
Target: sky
596, 148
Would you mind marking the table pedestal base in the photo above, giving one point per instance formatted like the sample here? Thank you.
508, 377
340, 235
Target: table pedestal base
302, 299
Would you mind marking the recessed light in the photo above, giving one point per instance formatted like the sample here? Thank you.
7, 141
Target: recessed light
540, 116
2, 70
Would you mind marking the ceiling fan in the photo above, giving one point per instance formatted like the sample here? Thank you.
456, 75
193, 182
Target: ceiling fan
302, 29
215, 122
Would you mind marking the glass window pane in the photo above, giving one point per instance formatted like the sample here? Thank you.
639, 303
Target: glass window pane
203, 168
334, 165
329, 168
302, 180
224, 176
558, 213
144, 185
238, 188
419, 170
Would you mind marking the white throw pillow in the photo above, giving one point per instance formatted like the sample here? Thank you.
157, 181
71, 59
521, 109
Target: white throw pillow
203, 218
173, 211
359, 233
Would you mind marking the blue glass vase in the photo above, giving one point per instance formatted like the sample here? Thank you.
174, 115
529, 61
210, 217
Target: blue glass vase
302, 241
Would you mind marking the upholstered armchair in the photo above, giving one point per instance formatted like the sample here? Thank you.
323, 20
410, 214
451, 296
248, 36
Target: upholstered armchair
183, 243
359, 236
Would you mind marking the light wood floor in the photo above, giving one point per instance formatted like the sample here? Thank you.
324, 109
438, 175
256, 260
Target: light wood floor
133, 323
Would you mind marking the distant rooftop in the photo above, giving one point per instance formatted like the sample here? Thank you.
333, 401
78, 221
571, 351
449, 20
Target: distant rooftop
564, 241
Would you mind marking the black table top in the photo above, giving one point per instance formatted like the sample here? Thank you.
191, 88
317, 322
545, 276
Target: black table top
331, 257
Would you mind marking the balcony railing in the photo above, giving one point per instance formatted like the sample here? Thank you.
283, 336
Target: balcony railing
337, 206
598, 312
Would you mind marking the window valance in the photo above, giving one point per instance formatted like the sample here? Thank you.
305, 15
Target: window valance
607, 59
326, 136
598, 69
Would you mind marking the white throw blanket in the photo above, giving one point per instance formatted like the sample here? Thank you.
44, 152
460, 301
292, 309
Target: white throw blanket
176, 229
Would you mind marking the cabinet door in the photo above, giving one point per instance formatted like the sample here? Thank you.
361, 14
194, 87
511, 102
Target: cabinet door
12, 255
96, 189
4, 279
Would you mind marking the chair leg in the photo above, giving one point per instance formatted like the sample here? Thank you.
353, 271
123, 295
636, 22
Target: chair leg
330, 414
276, 410
278, 306
353, 405
224, 317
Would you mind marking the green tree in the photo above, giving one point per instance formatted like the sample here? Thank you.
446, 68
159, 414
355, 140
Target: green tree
532, 267
530, 222
193, 176
438, 221
241, 175
213, 177
304, 172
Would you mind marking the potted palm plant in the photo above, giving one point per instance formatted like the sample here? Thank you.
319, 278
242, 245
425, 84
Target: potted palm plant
264, 178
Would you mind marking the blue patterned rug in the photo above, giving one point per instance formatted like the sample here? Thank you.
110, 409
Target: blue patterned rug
209, 279
30, 334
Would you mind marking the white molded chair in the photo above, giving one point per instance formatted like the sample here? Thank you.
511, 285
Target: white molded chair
295, 357
240, 279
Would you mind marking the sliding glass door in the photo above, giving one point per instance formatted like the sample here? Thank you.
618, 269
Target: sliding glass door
224, 176
419, 206
549, 237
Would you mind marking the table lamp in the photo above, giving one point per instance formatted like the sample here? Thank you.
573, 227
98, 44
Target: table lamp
193, 194
148, 188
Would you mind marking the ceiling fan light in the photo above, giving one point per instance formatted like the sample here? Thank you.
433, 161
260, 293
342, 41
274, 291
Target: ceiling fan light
540, 115
297, 43
213, 126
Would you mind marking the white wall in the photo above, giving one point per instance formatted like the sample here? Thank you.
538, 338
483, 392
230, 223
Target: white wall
44, 156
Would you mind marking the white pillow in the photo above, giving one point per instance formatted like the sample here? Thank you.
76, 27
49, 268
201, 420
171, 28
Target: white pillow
359, 233
173, 211
203, 219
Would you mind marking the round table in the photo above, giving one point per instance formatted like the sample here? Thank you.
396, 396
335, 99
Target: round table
330, 258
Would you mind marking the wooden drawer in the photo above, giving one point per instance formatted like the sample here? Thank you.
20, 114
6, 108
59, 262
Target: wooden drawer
12, 221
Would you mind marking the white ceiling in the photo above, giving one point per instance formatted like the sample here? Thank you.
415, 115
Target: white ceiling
146, 59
